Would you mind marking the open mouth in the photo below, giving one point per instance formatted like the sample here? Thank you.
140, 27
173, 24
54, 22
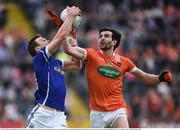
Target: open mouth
102, 43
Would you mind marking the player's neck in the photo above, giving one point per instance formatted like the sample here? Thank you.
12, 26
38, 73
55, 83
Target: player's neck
107, 52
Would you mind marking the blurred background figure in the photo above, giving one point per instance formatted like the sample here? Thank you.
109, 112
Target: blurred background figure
151, 39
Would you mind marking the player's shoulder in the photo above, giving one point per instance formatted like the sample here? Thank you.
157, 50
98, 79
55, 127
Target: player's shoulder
91, 51
125, 59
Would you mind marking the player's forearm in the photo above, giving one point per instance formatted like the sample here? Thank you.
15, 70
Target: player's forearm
145, 77
61, 35
73, 66
150, 78
73, 51
68, 48
78, 63
165, 76
65, 29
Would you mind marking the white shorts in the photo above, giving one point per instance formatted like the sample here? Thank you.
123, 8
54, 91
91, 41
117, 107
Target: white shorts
44, 118
105, 119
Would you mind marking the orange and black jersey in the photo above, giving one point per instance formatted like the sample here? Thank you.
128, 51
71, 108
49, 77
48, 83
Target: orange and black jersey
104, 77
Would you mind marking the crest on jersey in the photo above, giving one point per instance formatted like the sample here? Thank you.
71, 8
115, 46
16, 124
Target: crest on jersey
110, 72
58, 69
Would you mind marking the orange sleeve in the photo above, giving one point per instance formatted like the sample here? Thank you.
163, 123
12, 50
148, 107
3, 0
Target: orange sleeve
130, 64
89, 51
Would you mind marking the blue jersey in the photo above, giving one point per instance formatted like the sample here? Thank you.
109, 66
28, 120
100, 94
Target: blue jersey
51, 89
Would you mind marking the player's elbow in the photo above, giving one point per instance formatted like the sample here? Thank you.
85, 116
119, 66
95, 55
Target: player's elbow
78, 67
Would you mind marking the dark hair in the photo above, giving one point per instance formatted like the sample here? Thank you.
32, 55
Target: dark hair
115, 35
32, 44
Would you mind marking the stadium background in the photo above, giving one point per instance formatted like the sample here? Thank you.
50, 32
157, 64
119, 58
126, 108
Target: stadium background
151, 38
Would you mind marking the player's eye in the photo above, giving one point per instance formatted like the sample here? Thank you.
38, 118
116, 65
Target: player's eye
106, 35
100, 36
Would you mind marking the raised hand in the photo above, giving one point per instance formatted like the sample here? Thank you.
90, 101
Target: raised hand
73, 10
165, 76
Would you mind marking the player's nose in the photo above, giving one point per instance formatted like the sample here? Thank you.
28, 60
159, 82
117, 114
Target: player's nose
102, 39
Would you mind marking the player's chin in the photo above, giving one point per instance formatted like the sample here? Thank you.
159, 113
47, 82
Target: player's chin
104, 48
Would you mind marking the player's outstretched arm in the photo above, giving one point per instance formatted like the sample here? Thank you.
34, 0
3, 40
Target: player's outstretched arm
165, 76
64, 30
74, 63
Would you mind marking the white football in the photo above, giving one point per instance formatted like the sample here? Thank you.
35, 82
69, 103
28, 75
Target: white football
76, 21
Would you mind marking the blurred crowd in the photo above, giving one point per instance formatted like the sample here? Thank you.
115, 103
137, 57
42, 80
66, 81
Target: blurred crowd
151, 39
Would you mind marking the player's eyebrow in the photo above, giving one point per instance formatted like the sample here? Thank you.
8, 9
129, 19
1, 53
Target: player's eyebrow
106, 35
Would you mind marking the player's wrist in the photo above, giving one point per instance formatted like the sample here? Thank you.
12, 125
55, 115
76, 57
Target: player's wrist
161, 79
70, 16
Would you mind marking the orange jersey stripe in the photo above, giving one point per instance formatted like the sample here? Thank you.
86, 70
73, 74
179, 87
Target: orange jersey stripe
104, 77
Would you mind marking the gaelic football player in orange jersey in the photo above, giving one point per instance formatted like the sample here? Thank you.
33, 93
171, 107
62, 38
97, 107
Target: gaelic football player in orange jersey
105, 71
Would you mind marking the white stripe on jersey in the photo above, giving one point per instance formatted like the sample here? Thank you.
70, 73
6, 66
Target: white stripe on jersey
47, 94
133, 69
44, 56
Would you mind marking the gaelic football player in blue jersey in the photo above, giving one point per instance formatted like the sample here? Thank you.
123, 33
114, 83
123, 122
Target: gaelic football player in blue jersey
51, 90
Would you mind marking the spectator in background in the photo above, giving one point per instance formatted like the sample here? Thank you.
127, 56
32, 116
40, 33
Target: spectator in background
3, 16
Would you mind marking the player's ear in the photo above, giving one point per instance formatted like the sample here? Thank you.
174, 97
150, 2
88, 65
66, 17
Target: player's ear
114, 42
37, 48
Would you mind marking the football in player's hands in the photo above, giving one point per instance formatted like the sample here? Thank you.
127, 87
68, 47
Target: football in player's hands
76, 21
